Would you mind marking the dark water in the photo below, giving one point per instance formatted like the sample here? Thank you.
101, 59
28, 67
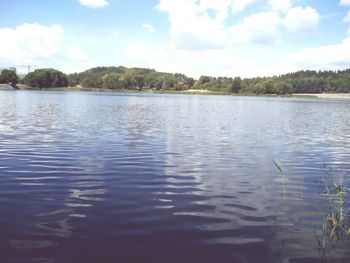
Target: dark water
101, 177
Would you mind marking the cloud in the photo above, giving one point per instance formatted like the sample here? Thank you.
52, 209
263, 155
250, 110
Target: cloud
223, 6
240, 5
203, 24
28, 42
302, 20
238, 59
261, 28
168, 58
327, 57
94, 3
76, 54
191, 27
344, 2
280, 5
347, 18
149, 28
76, 67
141, 51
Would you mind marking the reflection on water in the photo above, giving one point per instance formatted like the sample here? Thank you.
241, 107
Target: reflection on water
105, 177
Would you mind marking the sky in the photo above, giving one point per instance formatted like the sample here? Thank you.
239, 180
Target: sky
245, 38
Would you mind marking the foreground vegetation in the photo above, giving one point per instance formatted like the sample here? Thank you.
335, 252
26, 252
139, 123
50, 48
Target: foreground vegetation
122, 78
336, 222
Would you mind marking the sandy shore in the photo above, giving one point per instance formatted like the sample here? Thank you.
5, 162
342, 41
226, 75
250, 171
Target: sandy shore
6, 87
9, 87
198, 90
327, 95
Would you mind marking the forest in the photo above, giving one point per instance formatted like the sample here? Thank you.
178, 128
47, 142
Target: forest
121, 78
140, 78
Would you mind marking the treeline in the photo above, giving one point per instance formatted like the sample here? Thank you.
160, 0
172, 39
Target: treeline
148, 79
299, 82
141, 78
130, 78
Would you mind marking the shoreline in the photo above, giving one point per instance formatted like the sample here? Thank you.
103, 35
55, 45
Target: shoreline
345, 96
326, 95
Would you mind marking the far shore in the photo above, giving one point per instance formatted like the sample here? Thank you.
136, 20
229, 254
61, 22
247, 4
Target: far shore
190, 91
327, 95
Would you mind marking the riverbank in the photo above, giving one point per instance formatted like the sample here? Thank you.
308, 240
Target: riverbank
16, 87
190, 91
327, 95
6, 87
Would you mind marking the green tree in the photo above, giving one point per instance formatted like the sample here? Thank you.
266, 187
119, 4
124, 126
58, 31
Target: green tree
8, 76
74, 79
283, 87
46, 78
259, 88
204, 79
236, 86
114, 81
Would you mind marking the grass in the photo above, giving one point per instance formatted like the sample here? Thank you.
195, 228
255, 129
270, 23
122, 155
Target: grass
304, 96
279, 166
336, 221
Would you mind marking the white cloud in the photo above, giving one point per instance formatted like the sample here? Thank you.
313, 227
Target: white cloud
76, 67
280, 5
28, 42
167, 58
190, 27
347, 18
141, 51
149, 28
94, 3
302, 20
344, 2
202, 24
240, 5
76, 54
327, 57
261, 28
238, 60
221, 7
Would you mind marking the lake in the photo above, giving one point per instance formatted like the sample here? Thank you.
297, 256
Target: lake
136, 177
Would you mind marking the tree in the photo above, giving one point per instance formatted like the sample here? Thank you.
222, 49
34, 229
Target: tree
8, 76
236, 86
204, 79
92, 80
46, 78
74, 79
259, 88
283, 87
113, 81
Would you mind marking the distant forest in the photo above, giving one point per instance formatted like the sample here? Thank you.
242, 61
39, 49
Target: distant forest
148, 79
141, 78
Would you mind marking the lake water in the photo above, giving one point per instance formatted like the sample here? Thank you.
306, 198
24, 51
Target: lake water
112, 177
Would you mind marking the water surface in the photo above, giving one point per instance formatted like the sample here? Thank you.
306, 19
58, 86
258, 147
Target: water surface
109, 177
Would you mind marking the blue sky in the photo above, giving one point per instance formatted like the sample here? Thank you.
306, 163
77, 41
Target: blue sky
197, 37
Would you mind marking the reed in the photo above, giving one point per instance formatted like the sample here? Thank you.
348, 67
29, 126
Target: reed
336, 221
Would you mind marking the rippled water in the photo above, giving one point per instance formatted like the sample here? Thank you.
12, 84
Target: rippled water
107, 177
